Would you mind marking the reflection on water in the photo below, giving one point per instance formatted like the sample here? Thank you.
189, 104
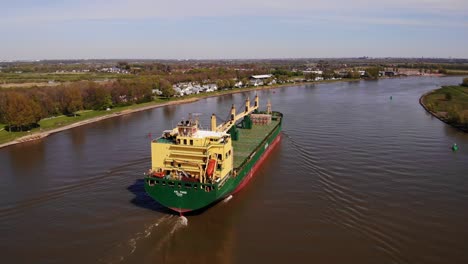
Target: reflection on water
78, 138
356, 176
26, 157
169, 111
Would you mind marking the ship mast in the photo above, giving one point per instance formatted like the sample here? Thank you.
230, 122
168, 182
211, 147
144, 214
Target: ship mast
269, 107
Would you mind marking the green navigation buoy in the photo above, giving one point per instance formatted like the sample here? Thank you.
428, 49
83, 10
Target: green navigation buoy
454, 147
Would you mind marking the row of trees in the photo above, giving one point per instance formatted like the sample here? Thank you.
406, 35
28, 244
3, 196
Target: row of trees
435, 66
22, 108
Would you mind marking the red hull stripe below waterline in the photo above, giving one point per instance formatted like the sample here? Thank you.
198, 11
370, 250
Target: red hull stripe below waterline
180, 210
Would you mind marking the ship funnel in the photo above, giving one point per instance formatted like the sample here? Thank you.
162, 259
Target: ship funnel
213, 122
247, 105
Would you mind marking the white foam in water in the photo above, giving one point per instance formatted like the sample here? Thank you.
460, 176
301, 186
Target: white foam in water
183, 220
227, 199
132, 242
180, 222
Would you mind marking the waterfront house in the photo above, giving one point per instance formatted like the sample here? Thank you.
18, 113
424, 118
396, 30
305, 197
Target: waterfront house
257, 80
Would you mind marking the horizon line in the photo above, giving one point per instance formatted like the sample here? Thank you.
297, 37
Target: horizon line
225, 59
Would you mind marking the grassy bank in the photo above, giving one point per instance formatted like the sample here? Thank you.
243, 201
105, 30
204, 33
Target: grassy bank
48, 124
449, 104
457, 72
55, 123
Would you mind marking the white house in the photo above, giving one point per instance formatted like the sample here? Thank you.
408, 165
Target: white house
316, 72
257, 80
210, 87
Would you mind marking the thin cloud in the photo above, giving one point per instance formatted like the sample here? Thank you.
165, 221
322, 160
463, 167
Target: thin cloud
369, 20
177, 9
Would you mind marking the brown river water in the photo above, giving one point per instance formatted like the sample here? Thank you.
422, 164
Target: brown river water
356, 178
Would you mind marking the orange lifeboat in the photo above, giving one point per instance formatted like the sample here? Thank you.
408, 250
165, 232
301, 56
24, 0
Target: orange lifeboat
211, 167
158, 174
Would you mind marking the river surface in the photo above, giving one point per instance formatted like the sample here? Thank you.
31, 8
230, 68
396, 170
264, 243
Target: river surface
356, 178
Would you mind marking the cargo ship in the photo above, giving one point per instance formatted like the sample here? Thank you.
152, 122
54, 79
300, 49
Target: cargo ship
192, 168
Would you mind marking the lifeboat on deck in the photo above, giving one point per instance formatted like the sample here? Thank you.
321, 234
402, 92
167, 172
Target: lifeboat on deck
159, 174
211, 167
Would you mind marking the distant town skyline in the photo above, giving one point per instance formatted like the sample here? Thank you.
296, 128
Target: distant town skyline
242, 29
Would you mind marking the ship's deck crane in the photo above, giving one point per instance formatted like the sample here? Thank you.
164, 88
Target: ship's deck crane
224, 127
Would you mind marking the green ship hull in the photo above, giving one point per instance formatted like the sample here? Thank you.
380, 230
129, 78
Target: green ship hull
182, 196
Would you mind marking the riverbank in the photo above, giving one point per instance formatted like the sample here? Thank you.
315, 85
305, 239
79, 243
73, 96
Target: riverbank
449, 104
55, 125
44, 133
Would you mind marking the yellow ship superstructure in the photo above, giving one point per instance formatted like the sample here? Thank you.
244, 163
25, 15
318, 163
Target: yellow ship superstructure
191, 154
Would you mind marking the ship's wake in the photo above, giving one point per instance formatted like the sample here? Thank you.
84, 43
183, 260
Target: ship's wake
57, 193
183, 220
158, 229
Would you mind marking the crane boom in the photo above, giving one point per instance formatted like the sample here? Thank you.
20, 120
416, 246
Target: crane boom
234, 117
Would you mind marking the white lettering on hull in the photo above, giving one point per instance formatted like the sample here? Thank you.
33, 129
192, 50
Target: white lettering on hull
180, 193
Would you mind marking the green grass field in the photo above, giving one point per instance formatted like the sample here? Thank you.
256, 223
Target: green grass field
449, 103
438, 101
10, 78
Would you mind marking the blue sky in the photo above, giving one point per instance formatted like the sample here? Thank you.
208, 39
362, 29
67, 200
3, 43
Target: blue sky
214, 29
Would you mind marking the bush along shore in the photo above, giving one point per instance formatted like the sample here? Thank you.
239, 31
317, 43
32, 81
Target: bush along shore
14, 135
449, 104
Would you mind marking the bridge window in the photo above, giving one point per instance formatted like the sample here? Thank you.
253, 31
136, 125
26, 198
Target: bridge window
191, 142
185, 142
